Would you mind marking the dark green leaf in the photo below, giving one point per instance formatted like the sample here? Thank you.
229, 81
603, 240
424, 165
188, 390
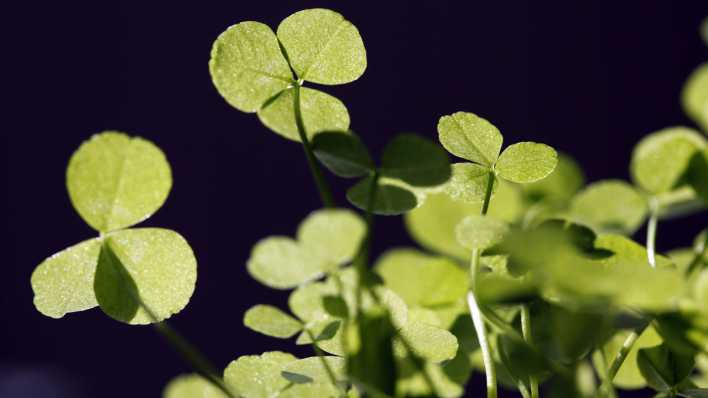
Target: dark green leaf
343, 154
371, 363
389, 200
415, 160
663, 368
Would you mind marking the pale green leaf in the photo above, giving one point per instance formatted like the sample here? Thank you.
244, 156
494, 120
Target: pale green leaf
610, 206
628, 377
526, 162
415, 160
311, 390
247, 66
389, 200
333, 235
480, 232
320, 112
623, 248
306, 301
660, 159
313, 368
328, 335
430, 342
144, 275
698, 174
343, 154
421, 279
271, 321
469, 183
258, 376
191, 386
63, 283
694, 96
322, 46
280, 263
470, 137
560, 186
116, 181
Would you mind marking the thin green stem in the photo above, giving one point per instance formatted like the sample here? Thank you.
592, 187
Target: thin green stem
328, 369
622, 354
476, 313
488, 192
698, 258
651, 231
526, 331
320, 182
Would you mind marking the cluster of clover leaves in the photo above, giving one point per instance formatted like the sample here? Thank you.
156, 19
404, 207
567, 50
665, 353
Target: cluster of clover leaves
524, 274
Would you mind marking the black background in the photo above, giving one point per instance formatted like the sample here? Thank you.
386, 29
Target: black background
589, 78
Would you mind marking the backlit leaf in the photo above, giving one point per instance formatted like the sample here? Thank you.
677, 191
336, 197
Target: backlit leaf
430, 342
343, 154
258, 376
116, 181
320, 112
662, 368
146, 267
469, 182
280, 263
415, 160
247, 66
560, 186
332, 234
390, 200
480, 232
526, 162
271, 321
63, 283
191, 386
694, 96
311, 390
610, 206
470, 137
313, 368
322, 46
628, 377
660, 159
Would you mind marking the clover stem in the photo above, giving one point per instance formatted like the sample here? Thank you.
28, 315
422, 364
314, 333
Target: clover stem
651, 231
622, 355
526, 331
479, 327
320, 182
488, 192
328, 369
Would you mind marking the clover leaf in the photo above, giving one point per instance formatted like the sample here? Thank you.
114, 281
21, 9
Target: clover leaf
313, 369
325, 240
415, 161
116, 181
470, 137
271, 321
469, 183
694, 96
389, 200
610, 206
628, 376
663, 368
343, 154
258, 376
480, 232
526, 162
190, 386
560, 186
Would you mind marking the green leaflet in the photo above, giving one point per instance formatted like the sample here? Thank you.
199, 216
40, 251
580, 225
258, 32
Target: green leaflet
258, 376
480, 232
694, 96
116, 181
560, 186
415, 160
390, 200
662, 368
628, 377
322, 46
660, 159
325, 239
271, 321
343, 154
191, 386
469, 183
698, 173
247, 66
470, 137
63, 283
610, 206
320, 112
312, 368
430, 342
310, 390
144, 275
526, 162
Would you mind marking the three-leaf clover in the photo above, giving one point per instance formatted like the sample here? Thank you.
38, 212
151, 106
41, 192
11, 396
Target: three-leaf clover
407, 162
257, 70
137, 276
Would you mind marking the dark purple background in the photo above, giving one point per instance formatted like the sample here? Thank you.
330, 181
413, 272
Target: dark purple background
589, 78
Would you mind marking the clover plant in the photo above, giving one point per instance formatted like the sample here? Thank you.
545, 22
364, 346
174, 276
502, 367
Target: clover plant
523, 272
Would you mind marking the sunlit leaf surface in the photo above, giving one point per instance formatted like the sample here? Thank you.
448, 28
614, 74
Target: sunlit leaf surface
470, 137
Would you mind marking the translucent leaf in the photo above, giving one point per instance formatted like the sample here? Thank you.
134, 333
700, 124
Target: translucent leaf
332, 234
415, 160
271, 321
144, 275
191, 386
470, 137
116, 181
421, 279
306, 301
390, 200
430, 342
279, 262
247, 66
311, 390
526, 162
469, 183
328, 336
662, 368
313, 369
63, 283
320, 112
660, 159
560, 186
610, 206
343, 154
480, 232
694, 96
624, 249
258, 376
628, 377
322, 46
